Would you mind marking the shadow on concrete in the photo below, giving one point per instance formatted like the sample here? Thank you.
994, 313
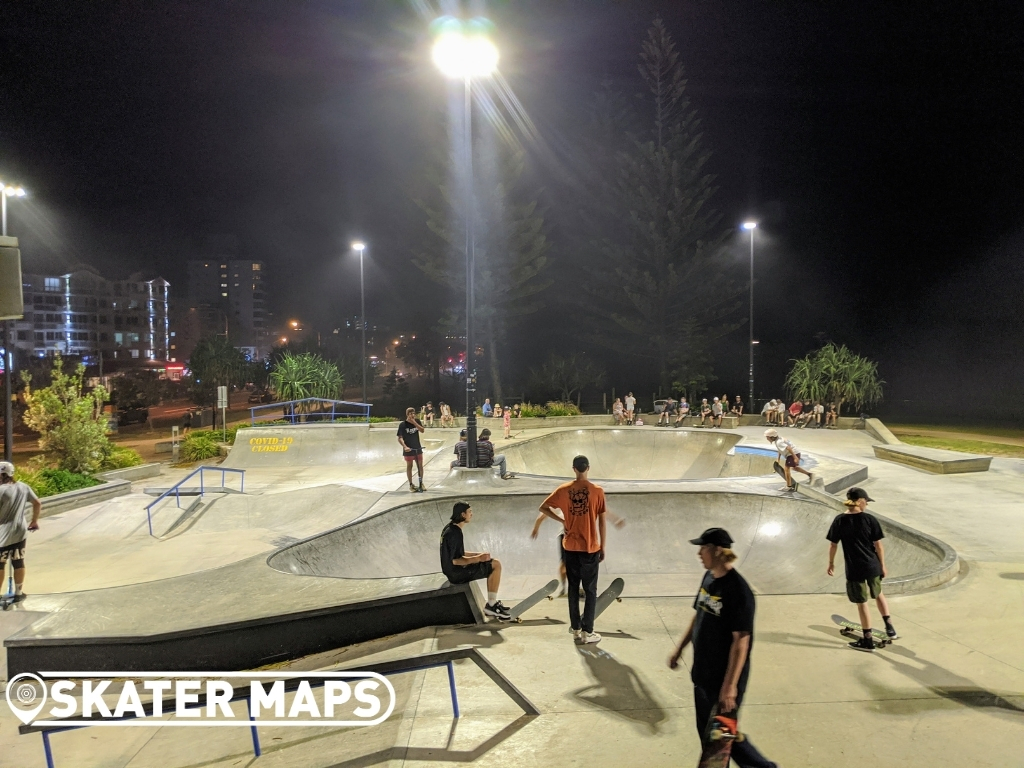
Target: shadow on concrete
619, 690
1012, 576
790, 638
486, 635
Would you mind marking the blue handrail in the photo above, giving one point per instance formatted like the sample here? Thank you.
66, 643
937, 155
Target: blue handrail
176, 488
340, 409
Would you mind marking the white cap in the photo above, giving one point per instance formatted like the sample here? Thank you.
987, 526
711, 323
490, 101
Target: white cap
6, 468
770, 433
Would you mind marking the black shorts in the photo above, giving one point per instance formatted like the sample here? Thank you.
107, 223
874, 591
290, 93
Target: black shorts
463, 574
15, 553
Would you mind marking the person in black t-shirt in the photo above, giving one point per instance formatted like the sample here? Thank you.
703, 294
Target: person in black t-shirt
409, 438
864, 557
462, 567
722, 636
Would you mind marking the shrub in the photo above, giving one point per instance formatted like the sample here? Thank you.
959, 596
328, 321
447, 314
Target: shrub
119, 457
529, 410
49, 482
558, 408
198, 446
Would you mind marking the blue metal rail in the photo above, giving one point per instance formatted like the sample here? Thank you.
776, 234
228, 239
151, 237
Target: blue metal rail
176, 488
296, 411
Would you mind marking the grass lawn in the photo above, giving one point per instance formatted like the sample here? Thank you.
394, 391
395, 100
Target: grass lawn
970, 429
966, 446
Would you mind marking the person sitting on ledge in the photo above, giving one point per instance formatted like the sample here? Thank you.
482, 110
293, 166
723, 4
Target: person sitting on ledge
460, 451
485, 455
462, 567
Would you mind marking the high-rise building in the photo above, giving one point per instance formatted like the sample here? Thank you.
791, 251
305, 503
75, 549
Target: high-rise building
225, 296
82, 313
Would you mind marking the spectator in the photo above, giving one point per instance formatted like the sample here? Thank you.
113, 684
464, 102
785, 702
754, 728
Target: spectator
737, 407
705, 410
428, 414
667, 411
485, 455
684, 411
517, 411
447, 420
186, 422
806, 415
716, 414
630, 407
497, 410
487, 410
817, 412
780, 413
831, 416
618, 412
768, 412
506, 419
460, 451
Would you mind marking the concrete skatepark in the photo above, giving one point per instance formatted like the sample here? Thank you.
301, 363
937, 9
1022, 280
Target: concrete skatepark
328, 559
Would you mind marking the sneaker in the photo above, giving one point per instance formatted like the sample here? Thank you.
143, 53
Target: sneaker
18, 598
890, 632
421, 489
576, 633
589, 637
413, 488
498, 611
864, 644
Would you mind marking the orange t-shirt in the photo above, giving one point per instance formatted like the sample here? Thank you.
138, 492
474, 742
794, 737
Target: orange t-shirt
581, 502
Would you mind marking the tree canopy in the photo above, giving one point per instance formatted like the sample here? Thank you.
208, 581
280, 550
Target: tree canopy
834, 374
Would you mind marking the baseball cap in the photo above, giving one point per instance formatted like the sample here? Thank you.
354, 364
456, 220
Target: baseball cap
581, 463
771, 433
458, 511
858, 493
717, 536
6, 468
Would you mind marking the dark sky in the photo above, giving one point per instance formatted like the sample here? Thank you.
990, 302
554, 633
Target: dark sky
880, 145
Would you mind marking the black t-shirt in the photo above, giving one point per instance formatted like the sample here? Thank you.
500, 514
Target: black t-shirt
723, 606
452, 547
858, 533
409, 432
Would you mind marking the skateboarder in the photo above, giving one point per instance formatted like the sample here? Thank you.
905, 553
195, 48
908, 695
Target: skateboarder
409, 438
789, 457
462, 567
864, 557
722, 635
617, 521
14, 500
582, 508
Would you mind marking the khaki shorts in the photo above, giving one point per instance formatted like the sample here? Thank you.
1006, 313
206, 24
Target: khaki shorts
859, 591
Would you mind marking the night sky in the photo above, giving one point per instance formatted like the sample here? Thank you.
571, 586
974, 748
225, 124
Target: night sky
879, 145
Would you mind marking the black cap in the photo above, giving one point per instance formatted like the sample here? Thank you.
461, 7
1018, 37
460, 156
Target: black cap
462, 433
858, 493
581, 463
458, 511
717, 536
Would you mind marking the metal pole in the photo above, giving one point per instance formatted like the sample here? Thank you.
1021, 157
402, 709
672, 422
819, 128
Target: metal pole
751, 408
470, 259
362, 318
8, 393
3, 202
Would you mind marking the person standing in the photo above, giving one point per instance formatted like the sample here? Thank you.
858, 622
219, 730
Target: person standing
580, 507
186, 422
15, 498
864, 557
630, 407
722, 634
412, 451
506, 422
462, 567
789, 457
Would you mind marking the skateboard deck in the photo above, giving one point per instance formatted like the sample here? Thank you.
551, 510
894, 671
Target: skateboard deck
781, 472
719, 735
854, 630
609, 596
517, 611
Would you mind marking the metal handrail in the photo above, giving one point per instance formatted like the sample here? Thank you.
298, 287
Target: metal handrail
359, 410
176, 488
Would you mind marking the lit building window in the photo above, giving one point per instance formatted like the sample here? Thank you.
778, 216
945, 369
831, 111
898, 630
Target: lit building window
135, 353
51, 283
223, 294
255, 267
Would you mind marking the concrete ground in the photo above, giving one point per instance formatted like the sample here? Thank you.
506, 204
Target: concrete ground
949, 692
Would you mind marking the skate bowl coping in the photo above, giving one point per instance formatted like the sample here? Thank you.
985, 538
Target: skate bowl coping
637, 454
780, 542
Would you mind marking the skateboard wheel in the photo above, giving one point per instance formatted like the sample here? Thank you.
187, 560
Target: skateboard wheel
618, 599
715, 735
519, 620
551, 597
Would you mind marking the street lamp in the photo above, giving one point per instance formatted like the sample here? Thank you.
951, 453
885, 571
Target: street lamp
360, 246
750, 226
5, 192
464, 52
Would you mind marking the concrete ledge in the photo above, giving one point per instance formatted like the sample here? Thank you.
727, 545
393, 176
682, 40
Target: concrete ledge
464, 478
934, 460
879, 431
139, 472
62, 502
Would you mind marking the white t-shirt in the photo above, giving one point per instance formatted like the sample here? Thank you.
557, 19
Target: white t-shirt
781, 407
14, 501
767, 407
630, 403
784, 446
819, 408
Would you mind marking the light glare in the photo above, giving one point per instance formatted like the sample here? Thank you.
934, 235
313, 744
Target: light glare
462, 56
750, 225
358, 246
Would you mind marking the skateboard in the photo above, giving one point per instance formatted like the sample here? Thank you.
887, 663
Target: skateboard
719, 735
7, 600
854, 631
781, 472
609, 596
517, 611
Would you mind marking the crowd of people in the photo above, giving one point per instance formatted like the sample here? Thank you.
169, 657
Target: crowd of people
800, 413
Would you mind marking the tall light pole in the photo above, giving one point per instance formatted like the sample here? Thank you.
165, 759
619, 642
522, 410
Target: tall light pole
360, 246
750, 226
464, 53
5, 192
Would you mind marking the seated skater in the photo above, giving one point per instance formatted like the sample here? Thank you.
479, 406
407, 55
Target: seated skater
460, 451
462, 567
683, 410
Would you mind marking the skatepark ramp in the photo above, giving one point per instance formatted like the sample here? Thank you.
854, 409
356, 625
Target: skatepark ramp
780, 542
635, 454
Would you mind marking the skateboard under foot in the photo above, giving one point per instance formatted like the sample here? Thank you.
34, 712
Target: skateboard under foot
854, 631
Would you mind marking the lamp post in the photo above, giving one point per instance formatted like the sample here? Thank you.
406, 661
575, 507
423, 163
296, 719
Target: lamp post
462, 54
5, 192
750, 226
360, 246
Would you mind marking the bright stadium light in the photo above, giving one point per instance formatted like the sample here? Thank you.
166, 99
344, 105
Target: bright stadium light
462, 56
750, 225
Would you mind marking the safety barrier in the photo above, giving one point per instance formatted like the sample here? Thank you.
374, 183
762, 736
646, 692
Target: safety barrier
410, 664
301, 411
176, 488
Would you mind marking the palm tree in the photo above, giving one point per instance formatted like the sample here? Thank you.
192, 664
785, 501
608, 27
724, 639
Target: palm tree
835, 374
298, 377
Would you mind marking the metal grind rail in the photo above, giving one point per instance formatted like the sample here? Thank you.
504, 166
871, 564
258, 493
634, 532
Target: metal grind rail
409, 664
310, 410
176, 488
